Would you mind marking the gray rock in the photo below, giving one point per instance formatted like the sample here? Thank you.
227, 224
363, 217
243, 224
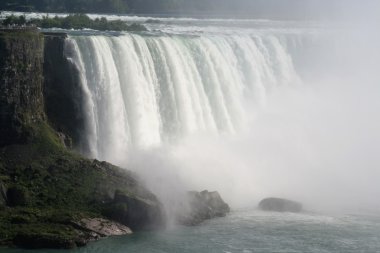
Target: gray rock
102, 227
136, 212
202, 206
280, 205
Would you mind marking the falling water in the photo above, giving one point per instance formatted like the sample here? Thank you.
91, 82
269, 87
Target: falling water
143, 90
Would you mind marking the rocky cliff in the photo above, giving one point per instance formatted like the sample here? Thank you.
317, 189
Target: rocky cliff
21, 99
49, 196
62, 92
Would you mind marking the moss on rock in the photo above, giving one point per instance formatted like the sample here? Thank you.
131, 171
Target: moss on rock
44, 187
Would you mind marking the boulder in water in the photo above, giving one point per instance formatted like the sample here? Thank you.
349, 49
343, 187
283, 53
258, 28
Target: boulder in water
280, 205
136, 212
202, 206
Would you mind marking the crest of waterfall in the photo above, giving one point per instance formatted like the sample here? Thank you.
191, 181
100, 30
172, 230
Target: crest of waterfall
143, 90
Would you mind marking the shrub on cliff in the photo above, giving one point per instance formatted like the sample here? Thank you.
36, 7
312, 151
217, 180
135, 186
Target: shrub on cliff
14, 20
82, 21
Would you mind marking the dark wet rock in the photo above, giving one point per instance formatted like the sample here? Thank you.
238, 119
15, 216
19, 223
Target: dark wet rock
3, 194
202, 206
280, 205
62, 92
136, 212
41, 241
65, 140
17, 196
74, 234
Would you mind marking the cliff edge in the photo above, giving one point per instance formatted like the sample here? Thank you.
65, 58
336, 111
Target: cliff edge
51, 197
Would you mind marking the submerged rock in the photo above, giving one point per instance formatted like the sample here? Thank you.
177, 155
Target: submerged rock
202, 206
280, 205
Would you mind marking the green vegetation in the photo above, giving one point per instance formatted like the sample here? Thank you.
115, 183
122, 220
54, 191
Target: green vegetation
13, 20
119, 6
103, 6
74, 21
48, 187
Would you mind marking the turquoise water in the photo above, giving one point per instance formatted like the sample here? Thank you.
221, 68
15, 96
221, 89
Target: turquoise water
251, 231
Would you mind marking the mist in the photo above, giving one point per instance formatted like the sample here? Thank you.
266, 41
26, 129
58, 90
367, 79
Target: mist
316, 143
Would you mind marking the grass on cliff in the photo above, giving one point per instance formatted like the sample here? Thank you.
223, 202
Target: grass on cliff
52, 186
74, 21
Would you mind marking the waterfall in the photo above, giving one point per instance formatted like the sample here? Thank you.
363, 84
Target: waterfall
145, 90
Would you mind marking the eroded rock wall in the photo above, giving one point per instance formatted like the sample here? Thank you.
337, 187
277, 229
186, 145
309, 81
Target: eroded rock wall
21, 79
62, 91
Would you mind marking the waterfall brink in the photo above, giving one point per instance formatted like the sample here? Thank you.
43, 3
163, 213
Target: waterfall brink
142, 90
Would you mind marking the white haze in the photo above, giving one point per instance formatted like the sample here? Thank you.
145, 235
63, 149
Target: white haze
316, 141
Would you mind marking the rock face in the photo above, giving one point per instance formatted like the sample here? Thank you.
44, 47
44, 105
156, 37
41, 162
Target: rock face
137, 212
43, 241
3, 194
280, 205
21, 99
202, 206
62, 90
102, 227
48, 194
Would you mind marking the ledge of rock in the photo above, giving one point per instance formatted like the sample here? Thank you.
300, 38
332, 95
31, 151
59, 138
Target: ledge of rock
280, 205
202, 206
103, 227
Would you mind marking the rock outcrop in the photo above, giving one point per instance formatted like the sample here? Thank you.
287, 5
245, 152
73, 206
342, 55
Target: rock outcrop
48, 194
62, 90
92, 229
137, 212
201, 206
21, 97
280, 205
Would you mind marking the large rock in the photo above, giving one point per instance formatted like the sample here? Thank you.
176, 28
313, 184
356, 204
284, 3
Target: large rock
80, 233
280, 205
102, 227
202, 206
136, 212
